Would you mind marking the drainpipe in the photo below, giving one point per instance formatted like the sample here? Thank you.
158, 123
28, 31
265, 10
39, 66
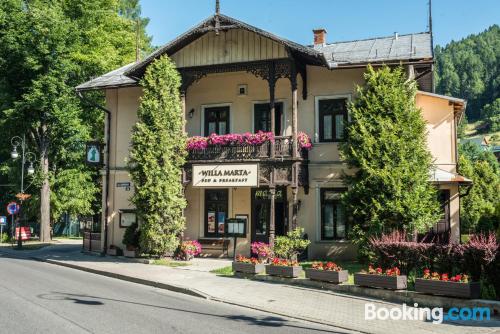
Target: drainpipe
108, 147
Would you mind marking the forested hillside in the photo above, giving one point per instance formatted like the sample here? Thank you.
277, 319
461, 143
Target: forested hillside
470, 69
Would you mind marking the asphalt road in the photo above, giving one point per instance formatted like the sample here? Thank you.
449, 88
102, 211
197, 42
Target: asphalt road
37, 297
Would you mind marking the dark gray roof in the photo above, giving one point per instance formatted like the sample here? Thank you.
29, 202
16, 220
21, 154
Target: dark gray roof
116, 78
412, 47
403, 47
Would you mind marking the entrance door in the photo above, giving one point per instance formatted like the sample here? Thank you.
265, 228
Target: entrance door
261, 212
215, 212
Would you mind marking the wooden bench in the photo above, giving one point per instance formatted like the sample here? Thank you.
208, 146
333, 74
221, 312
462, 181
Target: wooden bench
220, 244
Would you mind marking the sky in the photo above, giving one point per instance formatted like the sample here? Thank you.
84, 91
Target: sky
344, 20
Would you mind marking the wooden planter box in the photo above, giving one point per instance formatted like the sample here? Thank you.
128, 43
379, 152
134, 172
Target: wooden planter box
327, 275
446, 288
284, 271
381, 281
249, 268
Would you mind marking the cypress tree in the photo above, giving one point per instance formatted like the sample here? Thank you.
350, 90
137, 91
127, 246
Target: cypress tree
386, 148
157, 156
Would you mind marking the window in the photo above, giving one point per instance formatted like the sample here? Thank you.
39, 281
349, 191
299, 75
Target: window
332, 119
262, 117
216, 204
127, 217
216, 120
333, 220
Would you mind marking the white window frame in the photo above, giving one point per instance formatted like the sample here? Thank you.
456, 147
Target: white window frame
318, 98
205, 106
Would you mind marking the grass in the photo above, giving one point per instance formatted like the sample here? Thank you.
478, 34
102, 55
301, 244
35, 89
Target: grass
170, 263
352, 267
225, 271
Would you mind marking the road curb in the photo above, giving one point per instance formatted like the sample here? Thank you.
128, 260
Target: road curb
165, 286
191, 292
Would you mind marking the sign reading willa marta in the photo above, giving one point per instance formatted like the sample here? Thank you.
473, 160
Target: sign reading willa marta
226, 175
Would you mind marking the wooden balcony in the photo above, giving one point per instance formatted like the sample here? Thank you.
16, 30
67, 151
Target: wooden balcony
281, 149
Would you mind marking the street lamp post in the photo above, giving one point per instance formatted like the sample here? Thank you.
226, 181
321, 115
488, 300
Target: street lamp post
26, 156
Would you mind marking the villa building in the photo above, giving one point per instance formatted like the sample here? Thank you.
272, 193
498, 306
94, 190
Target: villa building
237, 78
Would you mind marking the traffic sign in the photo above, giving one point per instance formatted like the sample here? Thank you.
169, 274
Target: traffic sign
3, 220
12, 208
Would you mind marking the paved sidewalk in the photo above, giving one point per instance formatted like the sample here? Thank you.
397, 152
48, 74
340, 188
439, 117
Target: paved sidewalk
308, 304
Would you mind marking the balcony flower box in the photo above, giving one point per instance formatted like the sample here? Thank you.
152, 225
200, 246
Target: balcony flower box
248, 265
377, 278
284, 268
454, 286
327, 272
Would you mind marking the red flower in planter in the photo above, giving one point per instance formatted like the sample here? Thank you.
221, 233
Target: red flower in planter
378, 271
329, 266
459, 278
427, 273
251, 260
283, 262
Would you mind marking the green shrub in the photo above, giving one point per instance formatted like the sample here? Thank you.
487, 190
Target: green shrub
4, 238
131, 236
291, 245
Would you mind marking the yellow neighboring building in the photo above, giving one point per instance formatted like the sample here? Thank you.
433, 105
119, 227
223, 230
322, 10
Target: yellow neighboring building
237, 78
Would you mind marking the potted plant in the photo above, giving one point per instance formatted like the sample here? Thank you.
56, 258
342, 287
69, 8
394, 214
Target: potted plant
327, 272
189, 249
283, 268
262, 250
441, 284
377, 278
248, 265
291, 245
131, 240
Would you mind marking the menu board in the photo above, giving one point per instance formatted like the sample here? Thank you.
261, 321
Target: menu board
221, 219
211, 222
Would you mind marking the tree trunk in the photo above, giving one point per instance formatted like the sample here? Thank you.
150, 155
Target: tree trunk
45, 199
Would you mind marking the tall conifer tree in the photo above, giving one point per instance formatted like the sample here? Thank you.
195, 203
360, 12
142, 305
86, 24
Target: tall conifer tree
386, 147
157, 157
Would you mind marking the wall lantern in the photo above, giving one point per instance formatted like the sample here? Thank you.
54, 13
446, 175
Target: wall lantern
191, 113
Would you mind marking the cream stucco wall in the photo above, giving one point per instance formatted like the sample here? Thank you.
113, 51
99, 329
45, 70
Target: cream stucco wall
325, 166
441, 128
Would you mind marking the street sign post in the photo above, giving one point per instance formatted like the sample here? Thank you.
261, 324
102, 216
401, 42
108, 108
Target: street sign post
3, 222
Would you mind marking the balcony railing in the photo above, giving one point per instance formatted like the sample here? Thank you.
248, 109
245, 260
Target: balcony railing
282, 148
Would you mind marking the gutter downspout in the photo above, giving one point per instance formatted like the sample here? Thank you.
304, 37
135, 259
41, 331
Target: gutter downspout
108, 142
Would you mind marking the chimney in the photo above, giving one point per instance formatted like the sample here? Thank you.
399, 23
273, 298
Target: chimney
319, 37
